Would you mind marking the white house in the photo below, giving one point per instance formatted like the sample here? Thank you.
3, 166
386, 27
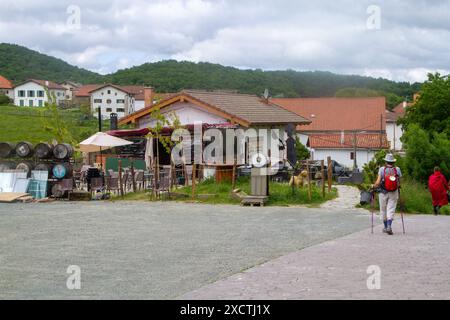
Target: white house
123, 100
111, 99
32, 93
341, 125
6, 87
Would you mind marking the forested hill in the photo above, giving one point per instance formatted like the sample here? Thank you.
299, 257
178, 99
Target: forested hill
19, 63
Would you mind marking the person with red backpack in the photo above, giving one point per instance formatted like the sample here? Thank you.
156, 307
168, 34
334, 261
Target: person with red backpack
438, 186
388, 185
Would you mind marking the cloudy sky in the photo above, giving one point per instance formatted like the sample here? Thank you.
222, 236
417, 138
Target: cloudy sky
394, 39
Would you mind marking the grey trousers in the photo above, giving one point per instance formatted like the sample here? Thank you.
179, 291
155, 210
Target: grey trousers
388, 203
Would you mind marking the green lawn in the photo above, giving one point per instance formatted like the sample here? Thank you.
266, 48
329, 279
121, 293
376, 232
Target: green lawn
280, 194
28, 124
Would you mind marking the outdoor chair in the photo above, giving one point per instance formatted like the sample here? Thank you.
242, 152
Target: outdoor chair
163, 184
66, 185
97, 184
139, 179
112, 184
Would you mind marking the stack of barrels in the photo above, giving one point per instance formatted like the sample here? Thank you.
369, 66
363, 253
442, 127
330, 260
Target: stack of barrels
24, 156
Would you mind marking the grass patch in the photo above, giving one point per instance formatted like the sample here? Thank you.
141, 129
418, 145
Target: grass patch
27, 124
417, 199
280, 194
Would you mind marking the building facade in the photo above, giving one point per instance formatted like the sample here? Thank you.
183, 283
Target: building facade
34, 93
111, 99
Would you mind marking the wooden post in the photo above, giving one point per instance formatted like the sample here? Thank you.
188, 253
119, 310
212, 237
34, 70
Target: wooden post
330, 173
322, 170
133, 180
309, 180
120, 177
233, 178
193, 181
185, 174
172, 175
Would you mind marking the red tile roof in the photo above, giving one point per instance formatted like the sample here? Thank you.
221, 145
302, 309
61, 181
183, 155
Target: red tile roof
336, 114
84, 91
48, 84
243, 108
335, 141
5, 83
400, 109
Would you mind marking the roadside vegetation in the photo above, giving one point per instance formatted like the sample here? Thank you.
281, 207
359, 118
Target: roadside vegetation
427, 143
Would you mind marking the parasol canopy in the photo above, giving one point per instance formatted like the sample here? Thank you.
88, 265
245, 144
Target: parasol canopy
101, 141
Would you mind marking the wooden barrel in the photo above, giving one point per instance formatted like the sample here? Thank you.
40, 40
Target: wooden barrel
7, 165
63, 151
43, 150
24, 149
25, 166
7, 149
43, 167
62, 170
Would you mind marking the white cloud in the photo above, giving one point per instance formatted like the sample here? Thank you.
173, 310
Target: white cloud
322, 35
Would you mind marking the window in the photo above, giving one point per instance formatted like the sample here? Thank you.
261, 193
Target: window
40, 103
30, 103
108, 101
97, 100
108, 109
21, 103
120, 109
109, 91
40, 93
352, 155
120, 101
22, 93
30, 93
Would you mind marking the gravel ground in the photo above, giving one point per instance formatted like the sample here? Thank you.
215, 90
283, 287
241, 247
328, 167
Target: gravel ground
411, 266
150, 250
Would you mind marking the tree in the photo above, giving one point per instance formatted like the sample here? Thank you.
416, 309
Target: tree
4, 99
301, 150
425, 151
431, 111
55, 123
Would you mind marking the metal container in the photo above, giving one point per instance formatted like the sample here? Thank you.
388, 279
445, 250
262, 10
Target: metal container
24, 149
63, 151
7, 149
43, 150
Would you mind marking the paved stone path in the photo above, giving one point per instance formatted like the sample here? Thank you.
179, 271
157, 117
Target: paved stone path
348, 198
413, 266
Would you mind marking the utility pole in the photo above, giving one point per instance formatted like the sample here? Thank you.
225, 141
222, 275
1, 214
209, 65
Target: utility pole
381, 130
99, 119
355, 165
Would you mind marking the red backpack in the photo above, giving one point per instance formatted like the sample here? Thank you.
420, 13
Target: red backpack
391, 181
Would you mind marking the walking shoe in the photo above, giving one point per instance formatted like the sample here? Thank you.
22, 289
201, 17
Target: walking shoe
389, 231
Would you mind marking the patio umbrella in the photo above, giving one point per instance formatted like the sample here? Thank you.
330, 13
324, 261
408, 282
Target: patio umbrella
102, 141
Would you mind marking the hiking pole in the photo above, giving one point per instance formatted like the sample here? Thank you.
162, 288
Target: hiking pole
402, 208
372, 205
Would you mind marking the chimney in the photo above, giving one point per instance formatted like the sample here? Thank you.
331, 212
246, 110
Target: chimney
342, 137
405, 104
148, 97
46, 83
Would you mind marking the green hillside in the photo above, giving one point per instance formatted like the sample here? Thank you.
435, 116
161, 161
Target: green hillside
19, 63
